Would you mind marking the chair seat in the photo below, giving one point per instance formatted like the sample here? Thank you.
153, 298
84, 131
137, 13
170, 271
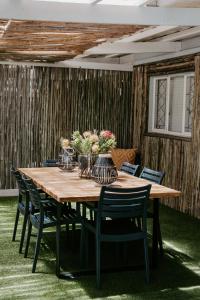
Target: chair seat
50, 218
21, 207
121, 229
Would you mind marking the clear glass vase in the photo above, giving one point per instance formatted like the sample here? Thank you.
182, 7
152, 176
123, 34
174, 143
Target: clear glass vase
67, 160
85, 163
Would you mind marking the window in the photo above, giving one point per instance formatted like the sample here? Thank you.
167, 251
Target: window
170, 104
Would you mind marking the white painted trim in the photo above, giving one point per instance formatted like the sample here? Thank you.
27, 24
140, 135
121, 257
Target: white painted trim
151, 127
90, 13
135, 47
184, 103
170, 132
166, 56
93, 65
76, 65
167, 104
9, 193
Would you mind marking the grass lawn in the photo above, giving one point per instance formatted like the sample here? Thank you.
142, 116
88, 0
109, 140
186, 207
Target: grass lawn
177, 276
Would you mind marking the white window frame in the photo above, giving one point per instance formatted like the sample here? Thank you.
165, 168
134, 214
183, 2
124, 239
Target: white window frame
151, 122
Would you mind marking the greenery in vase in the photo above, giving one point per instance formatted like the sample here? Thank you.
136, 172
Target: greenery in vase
92, 143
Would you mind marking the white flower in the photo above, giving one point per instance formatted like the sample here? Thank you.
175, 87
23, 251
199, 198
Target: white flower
64, 143
95, 148
86, 134
94, 138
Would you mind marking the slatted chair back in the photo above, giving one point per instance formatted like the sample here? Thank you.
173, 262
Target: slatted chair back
117, 203
19, 179
154, 176
129, 168
34, 195
50, 163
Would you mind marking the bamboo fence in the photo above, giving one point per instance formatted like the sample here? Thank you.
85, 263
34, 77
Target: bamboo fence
38, 105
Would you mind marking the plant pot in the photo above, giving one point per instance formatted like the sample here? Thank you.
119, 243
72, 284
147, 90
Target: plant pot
104, 171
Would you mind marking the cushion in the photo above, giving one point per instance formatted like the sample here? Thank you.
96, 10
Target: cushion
120, 156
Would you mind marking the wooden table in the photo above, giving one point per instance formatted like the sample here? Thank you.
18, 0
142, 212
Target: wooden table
69, 187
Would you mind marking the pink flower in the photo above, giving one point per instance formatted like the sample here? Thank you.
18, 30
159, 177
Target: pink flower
107, 134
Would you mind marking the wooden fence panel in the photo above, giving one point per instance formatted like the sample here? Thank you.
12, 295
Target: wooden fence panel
179, 158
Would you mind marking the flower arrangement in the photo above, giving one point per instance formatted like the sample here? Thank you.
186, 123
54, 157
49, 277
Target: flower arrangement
65, 143
92, 143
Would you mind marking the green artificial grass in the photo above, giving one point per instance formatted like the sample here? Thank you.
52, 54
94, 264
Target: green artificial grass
177, 276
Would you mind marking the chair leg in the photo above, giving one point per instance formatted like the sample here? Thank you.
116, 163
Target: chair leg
15, 226
58, 233
98, 263
28, 237
91, 216
37, 248
83, 211
146, 255
23, 232
82, 247
160, 240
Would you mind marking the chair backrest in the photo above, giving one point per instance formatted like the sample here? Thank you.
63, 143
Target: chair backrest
129, 168
19, 179
34, 195
154, 176
117, 203
50, 163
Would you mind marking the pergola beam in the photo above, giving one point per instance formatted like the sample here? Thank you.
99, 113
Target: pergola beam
147, 33
91, 13
181, 35
131, 48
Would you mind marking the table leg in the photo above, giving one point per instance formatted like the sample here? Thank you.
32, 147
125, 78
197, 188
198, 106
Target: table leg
58, 231
155, 232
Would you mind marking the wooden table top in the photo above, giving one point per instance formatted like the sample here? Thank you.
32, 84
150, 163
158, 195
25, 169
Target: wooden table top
69, 187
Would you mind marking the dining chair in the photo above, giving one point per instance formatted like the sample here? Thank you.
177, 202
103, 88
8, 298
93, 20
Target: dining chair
117, 204
41, 217
50, 163
130, 168
23, 205
156, 177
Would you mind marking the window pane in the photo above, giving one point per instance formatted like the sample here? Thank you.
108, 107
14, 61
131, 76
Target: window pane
160, 103
176, 104
189, 103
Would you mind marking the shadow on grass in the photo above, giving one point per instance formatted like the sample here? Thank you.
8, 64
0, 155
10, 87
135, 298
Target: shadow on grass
171, 276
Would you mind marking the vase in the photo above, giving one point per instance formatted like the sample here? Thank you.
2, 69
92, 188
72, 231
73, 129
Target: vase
67, 160
104, 171
85, 163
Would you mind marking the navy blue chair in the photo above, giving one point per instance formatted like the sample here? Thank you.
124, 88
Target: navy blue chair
117, 204
156, 177
23, 205
42, 217
50, 163
129, 168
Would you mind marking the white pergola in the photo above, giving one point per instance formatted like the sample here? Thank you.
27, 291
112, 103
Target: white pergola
174, 30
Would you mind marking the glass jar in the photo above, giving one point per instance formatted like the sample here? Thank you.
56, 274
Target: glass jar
67, 160
85, 163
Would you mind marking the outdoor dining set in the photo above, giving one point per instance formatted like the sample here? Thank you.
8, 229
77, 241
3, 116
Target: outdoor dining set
50, 196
